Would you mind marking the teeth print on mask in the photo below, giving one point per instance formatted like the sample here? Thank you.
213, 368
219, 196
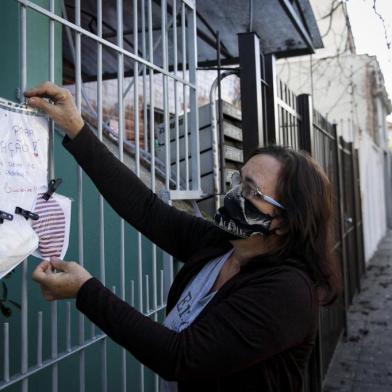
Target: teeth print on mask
53, 226
240, 217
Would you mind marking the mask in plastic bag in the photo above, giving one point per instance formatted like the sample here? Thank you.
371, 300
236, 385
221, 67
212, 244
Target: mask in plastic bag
17, 241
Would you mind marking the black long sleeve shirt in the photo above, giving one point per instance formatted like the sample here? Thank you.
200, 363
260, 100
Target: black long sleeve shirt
257, 332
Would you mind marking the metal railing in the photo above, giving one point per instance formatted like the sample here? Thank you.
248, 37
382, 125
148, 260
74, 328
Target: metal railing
302, 127
143, 273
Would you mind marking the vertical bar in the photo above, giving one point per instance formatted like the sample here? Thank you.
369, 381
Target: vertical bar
144, 54
78, 99
165, 92
53, 305
161, 286
68, 327
137, 133
51, 78
220, 126
120, 92
147, 293
184, 91
152, 150
194, 114
24, 298
340, 199
306, 133
102, 271
175, 66
6, 356
271, 99
355, 217
132, 293
39, 339
251, 99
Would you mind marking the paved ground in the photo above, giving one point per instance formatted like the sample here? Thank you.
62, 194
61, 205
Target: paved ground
363, 363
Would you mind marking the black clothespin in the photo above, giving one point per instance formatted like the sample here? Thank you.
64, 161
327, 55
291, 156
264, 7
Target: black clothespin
53, 185
27, 214
5, 215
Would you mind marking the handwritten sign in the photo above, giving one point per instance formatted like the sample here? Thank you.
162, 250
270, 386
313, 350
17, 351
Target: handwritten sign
23, 175
23, 156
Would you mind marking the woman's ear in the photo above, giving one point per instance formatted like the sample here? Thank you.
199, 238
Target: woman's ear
279, 226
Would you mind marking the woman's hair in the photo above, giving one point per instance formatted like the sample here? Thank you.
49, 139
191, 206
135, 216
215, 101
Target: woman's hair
308, 219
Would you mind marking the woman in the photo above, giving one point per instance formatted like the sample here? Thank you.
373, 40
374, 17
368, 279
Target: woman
242, 312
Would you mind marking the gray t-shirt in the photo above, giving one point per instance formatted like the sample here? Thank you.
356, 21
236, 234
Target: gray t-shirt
192, 301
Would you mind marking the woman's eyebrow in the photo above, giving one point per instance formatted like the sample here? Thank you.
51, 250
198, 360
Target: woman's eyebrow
248, 179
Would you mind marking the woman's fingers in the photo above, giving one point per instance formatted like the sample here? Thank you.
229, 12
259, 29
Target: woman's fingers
62, 109
42, 104
63, 284
41, 271
59, 264
48, 90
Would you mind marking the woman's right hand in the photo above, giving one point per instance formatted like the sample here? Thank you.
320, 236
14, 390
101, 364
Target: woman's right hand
62, 110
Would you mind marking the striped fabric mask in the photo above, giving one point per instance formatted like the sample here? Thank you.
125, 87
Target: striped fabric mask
52, 227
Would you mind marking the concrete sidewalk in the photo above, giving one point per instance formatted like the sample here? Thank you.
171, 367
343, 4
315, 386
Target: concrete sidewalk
363, 363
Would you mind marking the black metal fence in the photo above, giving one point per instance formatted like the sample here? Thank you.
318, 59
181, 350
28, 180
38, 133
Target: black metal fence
302, 127
272, 114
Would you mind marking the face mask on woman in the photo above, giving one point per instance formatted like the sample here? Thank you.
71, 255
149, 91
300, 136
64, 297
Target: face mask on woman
240, 217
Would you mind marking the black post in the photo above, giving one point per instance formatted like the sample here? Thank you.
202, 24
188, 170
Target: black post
355, 184
220, 118
342, 236
251, 98
271, 99
305, 109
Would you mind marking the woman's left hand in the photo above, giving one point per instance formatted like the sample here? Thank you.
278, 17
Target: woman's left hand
63, 284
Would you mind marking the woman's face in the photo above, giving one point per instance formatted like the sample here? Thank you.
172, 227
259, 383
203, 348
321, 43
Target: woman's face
262, 171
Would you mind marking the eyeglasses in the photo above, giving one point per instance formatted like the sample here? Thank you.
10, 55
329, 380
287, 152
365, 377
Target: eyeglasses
249, 192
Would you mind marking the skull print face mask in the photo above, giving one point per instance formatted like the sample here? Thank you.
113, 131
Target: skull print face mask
240, 217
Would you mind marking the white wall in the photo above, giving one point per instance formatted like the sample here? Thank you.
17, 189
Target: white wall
373, 194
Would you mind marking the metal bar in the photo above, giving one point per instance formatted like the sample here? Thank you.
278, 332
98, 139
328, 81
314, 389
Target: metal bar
102, 272
167, 266
24, 297
78, 100
355, 217
137, 141
165, 92
251, 98
120, 91
144, 54
161, 288
48, 363
77, 29
176, 119
194, 114
220, 123
39, 340
132, 293
184, 91
53, 305
68, 327
6, 353
147, 293
340, 198
306, 133
271, 98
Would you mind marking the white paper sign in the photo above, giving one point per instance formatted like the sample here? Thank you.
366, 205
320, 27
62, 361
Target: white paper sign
23, 174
